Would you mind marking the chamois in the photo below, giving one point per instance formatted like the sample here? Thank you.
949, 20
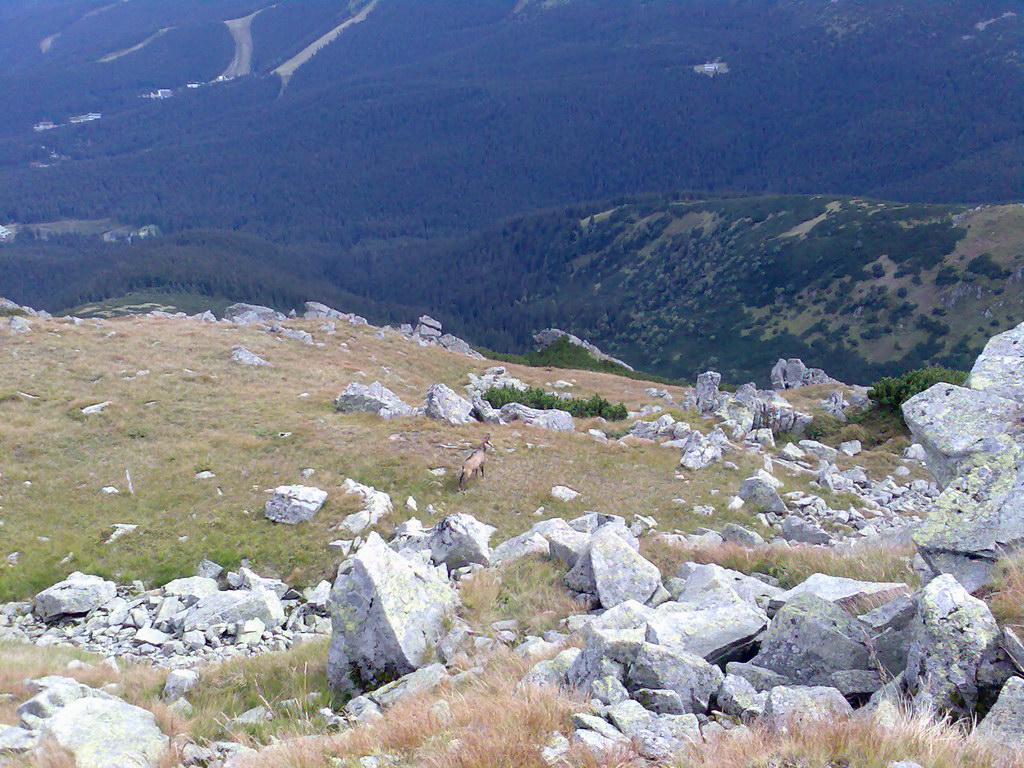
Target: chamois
474, 463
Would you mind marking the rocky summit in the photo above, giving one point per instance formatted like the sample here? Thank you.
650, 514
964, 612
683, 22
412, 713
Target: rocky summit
244, 542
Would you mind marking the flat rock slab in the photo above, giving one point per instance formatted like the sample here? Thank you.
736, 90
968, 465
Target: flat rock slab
842, 592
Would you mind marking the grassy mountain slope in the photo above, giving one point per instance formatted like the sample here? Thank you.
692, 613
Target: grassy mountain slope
256, 429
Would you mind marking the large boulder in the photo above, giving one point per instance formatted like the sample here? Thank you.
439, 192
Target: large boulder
76, 595
695, 681
707, 395
791, 708
388, 611
952, 635
294, 504
956, 425
699, 451
376, 506
243, 314
445, 405
710, 619
794, 373
841, 591
104, 733
610, 569
460, 540
553, 419
235, 606
1004, 723
761, 495
374, 398
1000, 367
243, 356
810, 639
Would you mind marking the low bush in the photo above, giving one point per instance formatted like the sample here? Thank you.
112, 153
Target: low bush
546, 401
891, 393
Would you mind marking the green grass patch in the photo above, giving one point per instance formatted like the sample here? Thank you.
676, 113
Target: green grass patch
535, 397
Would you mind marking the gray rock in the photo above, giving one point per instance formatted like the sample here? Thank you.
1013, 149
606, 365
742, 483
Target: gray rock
613, 571
190, 590
387, 613
737, 534
804, 531
445, 405
952, 634
699, 451
738, 698
695, 680
76, 595
657, 737
793, 373
552, 672
708, 397
178, 683
810, 638
1004, 723
797, 707
529, 544
1000, 367
460, 540
375, 398
102, 733
555, 420
243, 314
760, 678
761, 496
243, 356
16, 741
294, 504
415, 683
235, 606
843, 592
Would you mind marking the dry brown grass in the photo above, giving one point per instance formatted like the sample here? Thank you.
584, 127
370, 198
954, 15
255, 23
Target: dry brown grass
196, 410
856, 743
791, 565
490, 725
530, 591
1006, 593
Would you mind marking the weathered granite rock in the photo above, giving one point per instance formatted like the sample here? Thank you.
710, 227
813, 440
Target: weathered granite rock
388, 612
1004, 723
460, 540
294, 504
843, 592
445, 405
999, 368
190, 590
234, 606
76, 595
613, 571
178, 683
738, 698
810, 638
794, 373
761, 496
529, 544
554, 419
708, 396
102, 733
243, 314
952, 634
16, 741
375, 398
659, 668
699, 451
796, 707
243, 356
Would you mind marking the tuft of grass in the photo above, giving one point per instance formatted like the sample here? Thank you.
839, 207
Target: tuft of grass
1005, 594
857, 742
228, 689
791, 565
530, 591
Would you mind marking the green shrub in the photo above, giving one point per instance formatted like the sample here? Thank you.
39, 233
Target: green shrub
546, 401
891, 393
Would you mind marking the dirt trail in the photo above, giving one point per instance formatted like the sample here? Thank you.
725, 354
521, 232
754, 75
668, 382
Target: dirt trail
241, 31
286, 70
137, 47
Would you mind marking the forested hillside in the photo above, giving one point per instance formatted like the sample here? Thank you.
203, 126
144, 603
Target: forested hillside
673, 286
433, 118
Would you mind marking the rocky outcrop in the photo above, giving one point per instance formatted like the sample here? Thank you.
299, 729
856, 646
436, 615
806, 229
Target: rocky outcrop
445, 405
554, 419
314, 310
101, 733
375, 398
243, 356
612, 571
244, 314
388, 611
973, 439
76, 595
709, 398
549, 336
793, 374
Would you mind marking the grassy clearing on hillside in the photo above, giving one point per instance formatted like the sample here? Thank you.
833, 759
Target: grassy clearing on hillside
195, 411
790, 564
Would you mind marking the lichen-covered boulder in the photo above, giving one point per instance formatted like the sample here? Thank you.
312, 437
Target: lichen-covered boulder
102, 733
999, 368
79, 593
374, 398
460, 540
707, 394
554, 419
388, 612
978, 517
234, 606
445, 405
243, 314
810, 638
1004, 723
761, 496
610, 569
951, 635
791, 708
954, 424
691, 677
